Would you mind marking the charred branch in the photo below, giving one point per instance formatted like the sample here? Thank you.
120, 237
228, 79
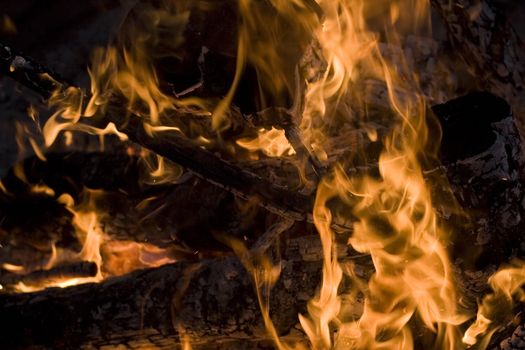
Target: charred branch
28, 72
174, 147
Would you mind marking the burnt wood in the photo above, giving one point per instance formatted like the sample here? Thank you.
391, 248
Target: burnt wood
483, 37
173, 146
210, 300
57, 273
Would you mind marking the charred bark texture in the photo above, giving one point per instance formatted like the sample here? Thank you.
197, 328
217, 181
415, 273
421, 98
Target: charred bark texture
211, 300
484, 163
487, 42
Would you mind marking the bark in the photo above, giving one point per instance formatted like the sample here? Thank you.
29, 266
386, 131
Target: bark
487, 42
176, 148
211, 300
484, 164
187, 212
28, 72
241, 183
173, 146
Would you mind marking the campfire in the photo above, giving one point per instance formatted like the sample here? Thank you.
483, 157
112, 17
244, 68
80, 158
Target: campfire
257, 174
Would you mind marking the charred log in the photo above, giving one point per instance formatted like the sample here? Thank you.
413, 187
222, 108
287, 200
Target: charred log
186, 213
211, 300
487, 42
177, 148
484, 162
58, 273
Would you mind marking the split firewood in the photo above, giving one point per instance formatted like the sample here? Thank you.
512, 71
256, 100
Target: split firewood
484, 163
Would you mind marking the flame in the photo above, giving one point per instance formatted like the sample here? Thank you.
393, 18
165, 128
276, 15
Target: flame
271, 142
7, 26
112, 257
395, 219
264, 275
121, 257
11, 267
186, 344
126, 72
161, 171
495, 310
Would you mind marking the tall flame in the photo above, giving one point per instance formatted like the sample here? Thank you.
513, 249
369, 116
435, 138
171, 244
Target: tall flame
395, 221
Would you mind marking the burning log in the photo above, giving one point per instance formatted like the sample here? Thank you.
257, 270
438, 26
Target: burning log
173, 146
215, 299
187, 299
57, 273
211, 300
241, 183
130, 207
27, 72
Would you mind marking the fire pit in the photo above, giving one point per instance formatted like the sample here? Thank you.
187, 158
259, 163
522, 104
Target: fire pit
255, 174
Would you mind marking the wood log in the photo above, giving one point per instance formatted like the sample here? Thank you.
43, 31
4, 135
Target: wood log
186, 213
173, 146
241, 183
28, 72
483, 37
211, 300
57, 273
484, 164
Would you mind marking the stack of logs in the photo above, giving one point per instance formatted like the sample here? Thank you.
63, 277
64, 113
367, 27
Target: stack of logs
209, 296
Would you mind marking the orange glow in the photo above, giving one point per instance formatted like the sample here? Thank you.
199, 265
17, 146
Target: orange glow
112, 257
396, 223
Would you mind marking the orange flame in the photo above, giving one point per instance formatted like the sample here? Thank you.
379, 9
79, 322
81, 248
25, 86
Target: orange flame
271, 142
496, 308
396, 223
112, 257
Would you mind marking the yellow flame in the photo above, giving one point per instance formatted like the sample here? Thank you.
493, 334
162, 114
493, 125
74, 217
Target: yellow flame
11, 267
495, 310
271, 142
264, 275
395, 221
